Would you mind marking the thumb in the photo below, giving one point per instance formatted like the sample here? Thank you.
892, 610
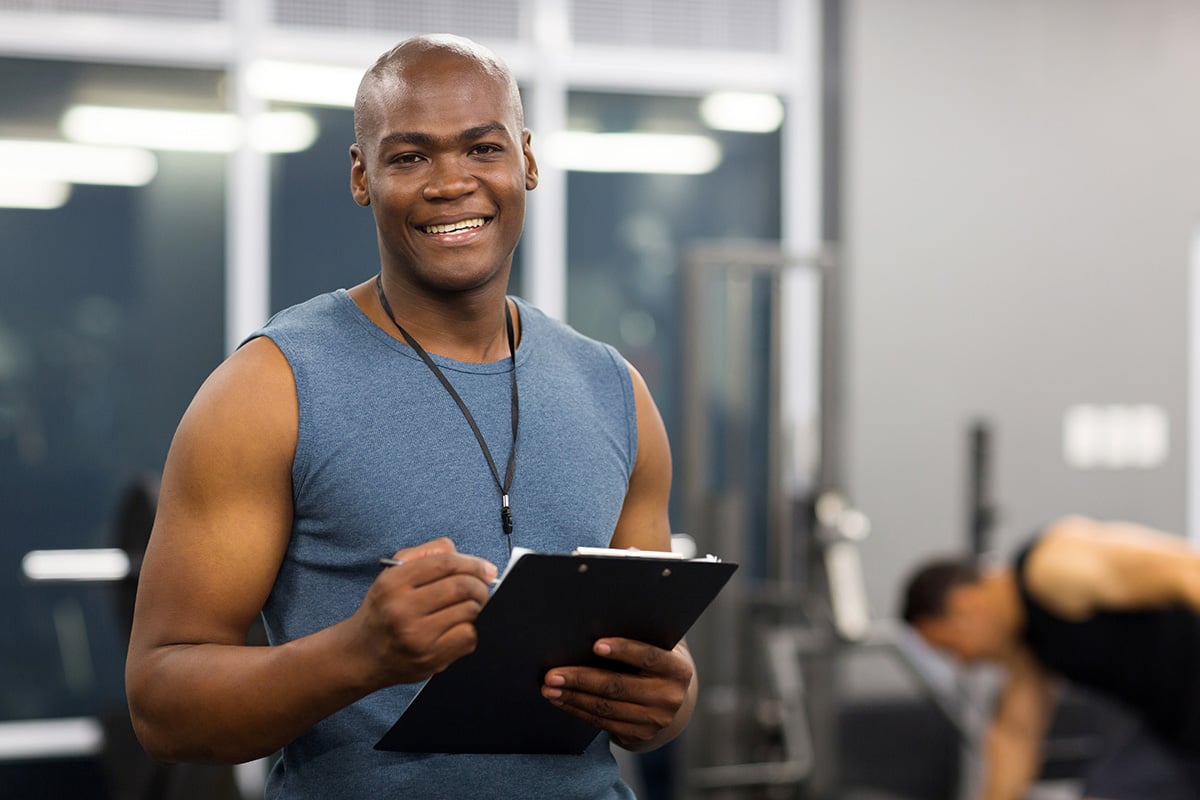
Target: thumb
431, 548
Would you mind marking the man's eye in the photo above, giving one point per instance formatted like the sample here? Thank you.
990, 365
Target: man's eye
405, 158
486, 149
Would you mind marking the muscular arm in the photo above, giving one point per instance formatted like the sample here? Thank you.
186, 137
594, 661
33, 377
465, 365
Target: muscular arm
1083, 565
648, 709
196, 691
1013, 743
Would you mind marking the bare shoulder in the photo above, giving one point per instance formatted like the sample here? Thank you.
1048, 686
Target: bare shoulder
1081, 564
238, 435
1064, 539
654, 449
644, 522
1076, 540
224, 513
254, 384
1064, 564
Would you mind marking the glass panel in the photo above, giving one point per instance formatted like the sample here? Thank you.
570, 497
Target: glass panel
320, 238
111, 315
628, 233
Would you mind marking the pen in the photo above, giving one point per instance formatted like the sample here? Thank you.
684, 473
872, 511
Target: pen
395, 562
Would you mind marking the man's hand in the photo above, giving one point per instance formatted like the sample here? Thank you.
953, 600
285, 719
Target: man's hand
419, 616
641, 710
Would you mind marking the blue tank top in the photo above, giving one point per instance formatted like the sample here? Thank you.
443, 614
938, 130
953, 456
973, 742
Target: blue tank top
385, 460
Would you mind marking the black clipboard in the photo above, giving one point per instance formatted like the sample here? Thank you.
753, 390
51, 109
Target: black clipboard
548, 612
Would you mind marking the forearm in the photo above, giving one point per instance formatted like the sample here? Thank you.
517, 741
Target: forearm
1011, 766
230, 703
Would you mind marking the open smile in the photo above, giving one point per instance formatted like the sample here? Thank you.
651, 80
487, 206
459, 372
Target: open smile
458, 227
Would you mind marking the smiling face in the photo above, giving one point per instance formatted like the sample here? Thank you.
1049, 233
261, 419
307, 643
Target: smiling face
444, 163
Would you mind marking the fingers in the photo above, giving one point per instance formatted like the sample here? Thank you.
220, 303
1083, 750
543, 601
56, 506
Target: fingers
633, 707
599, 697
423, 598
419, 616
646, 658
627, 722
431, 644
436, 547
431, 566
430, 548
609, 694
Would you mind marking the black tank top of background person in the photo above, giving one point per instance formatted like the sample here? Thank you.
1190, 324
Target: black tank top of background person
1148, 660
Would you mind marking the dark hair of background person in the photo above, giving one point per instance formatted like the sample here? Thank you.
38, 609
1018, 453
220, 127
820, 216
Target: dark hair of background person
926, 592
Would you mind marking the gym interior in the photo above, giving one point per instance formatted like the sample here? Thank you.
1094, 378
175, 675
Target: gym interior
905, 277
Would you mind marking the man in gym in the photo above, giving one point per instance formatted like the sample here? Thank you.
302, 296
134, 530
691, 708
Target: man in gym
1112, 607
335, 436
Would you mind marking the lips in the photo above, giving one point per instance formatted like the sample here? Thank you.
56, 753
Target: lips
457, 226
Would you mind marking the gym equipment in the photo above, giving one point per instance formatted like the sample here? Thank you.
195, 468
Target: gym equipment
746, 485
762, 487
126, 770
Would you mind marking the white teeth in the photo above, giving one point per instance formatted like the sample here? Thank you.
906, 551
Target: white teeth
453, 227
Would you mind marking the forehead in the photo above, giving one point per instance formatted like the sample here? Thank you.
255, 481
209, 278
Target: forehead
441, 94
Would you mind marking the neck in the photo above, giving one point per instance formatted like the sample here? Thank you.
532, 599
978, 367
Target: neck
464, 326
1001, 586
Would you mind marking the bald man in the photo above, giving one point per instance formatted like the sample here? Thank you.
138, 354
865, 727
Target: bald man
1113, 607
423, 415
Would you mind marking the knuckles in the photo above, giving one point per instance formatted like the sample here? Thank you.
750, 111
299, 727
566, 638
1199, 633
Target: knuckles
651, 659
614, 688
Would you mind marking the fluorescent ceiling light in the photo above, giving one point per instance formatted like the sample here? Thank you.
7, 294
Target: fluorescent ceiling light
742, 111
102, 564
50, 738
75, 163
195, 131
655, 153
282, 132
312, 84
21, 193
189, 131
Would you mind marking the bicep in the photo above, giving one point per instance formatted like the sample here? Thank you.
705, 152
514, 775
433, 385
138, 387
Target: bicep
1085, 564
644, 522
224, 513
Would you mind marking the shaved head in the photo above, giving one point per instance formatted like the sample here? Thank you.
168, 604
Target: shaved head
389, 72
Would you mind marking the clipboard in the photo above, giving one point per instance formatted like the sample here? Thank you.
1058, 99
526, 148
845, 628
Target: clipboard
547, 612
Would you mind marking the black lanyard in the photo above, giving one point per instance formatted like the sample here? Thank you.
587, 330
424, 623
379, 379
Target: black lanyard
506, 519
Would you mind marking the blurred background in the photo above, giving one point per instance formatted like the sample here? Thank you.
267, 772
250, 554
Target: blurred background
905, 277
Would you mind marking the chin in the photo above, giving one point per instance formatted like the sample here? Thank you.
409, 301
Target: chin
459, 281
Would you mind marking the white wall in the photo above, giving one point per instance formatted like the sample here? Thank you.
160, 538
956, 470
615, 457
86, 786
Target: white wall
1022, 187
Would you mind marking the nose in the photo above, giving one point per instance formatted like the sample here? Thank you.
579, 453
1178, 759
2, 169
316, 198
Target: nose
449, 180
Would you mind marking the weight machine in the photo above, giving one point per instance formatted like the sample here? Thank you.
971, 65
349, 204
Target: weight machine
764, 488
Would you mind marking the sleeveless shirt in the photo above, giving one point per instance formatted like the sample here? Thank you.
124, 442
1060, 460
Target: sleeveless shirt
385, 460
1146, 659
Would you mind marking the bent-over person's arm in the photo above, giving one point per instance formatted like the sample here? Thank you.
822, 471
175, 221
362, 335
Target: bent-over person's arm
1083, 565
1013, 741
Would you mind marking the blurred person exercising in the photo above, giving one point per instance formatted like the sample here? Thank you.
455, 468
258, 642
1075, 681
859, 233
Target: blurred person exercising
1109, 606
386, 421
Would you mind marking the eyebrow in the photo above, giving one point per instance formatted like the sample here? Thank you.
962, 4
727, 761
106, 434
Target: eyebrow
428, 140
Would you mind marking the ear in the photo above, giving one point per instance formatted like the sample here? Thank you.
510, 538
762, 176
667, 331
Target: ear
531, 168
359, 185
